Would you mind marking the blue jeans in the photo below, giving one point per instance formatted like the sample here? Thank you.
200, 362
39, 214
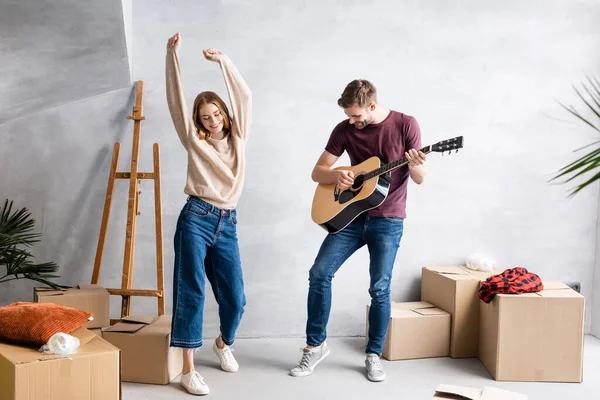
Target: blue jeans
382, 237
206, 244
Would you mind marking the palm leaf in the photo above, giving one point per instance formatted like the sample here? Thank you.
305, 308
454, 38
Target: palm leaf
588, 168
585, 184
578, 163
16, 235
17, 227
590, 96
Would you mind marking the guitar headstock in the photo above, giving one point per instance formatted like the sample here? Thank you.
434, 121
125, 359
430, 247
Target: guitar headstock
448, 145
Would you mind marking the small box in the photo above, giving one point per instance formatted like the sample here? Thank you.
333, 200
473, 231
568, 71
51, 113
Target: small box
454, 290
146, 354
86, 297
92, 373
416, 330
450, 392
534, 337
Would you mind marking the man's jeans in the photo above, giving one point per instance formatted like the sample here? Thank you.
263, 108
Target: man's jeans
382, 237
206, 244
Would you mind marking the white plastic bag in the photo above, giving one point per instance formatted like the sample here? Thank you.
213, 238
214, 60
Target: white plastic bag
481, 262
61, 344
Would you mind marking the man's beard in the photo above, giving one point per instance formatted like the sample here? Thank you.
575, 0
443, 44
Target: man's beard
362, 124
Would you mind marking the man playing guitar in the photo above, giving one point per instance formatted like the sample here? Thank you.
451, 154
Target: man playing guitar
370, 130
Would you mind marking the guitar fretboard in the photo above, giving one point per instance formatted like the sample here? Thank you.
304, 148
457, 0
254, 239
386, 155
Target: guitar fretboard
393, 165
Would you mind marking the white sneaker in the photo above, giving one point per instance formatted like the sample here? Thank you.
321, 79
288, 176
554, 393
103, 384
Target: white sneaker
375, 372
194, 383
228, 363
310, 359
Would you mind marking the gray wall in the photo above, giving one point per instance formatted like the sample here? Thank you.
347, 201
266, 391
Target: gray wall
128, 21
489, 71
56, 52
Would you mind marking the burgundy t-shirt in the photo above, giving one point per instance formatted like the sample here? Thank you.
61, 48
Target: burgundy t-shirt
388, 140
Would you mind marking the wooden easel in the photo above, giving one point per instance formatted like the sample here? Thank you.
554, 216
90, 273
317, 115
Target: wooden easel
135, 178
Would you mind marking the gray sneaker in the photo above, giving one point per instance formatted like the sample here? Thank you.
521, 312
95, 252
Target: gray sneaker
375, 371
309, 360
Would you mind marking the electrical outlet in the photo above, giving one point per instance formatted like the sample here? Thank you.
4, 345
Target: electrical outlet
576, 286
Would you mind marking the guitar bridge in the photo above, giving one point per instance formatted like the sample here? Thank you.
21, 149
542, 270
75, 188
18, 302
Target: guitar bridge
336, 193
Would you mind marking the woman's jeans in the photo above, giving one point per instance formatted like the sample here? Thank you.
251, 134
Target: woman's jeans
206, 245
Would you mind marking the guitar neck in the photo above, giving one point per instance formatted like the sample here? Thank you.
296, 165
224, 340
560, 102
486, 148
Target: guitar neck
384, 169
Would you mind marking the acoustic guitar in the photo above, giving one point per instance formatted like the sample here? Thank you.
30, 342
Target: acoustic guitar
333, 209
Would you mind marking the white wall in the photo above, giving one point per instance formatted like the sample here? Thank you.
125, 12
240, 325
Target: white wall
489, 71
595, 297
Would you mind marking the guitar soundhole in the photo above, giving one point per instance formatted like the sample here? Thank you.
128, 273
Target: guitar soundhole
359, 181
352, 191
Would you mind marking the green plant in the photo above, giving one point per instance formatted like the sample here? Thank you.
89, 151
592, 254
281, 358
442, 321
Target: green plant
591, 161
16, 236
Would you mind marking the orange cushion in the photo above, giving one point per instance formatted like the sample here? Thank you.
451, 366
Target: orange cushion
34, 323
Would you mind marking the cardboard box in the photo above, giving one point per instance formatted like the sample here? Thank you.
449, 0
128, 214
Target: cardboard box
146, 354
86, 297
416, 330
92, 373
535, 337
454, 289
451, 392
97, 331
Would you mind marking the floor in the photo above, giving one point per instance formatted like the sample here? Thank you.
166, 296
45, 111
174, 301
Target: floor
264, 366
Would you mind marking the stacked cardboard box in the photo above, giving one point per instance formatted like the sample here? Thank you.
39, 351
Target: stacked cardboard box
527, 337
143, 341
86, 297
416, 330
91, 373
535, 337
454, 290
145, 346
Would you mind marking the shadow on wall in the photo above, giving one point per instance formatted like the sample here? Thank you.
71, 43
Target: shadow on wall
86, 211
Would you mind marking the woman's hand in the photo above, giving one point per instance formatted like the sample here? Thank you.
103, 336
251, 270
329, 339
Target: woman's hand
212, 54
174, 40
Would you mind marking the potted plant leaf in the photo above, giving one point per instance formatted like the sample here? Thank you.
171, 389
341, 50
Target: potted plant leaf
590, 162
17, 236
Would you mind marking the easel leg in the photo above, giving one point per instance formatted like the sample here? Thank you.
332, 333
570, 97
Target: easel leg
159, 239
132, 207
106, 214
